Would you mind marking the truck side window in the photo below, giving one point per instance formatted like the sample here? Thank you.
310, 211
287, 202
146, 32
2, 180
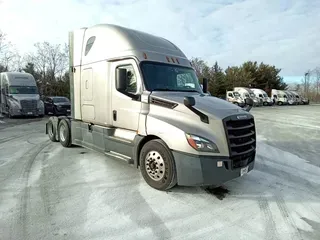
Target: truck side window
131, 79
230, 94
89, 45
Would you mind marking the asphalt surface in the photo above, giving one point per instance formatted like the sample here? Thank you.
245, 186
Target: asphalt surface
51, 192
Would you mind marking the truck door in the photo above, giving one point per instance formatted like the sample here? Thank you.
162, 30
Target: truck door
126, 110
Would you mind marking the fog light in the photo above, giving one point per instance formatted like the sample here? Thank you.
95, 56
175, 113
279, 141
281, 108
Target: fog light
219, 164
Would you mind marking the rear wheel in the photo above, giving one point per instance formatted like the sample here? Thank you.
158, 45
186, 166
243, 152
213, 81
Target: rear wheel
64, 132
51, 131
157, 165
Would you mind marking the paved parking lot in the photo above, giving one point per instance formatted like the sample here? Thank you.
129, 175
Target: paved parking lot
51, 192
7, 122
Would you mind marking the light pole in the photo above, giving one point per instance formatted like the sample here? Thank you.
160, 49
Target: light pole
305, 82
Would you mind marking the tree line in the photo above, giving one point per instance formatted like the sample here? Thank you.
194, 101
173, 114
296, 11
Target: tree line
49, 65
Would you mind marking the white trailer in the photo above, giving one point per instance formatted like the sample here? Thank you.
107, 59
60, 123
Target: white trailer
136, 97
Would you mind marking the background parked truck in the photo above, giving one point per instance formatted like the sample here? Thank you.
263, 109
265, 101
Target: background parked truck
19, 95
247, 93
263, 96
235, 98
135, 97
279, 97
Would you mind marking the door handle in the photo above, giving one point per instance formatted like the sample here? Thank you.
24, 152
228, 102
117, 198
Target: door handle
114, 115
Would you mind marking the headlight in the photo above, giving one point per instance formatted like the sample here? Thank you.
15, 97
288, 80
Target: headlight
40, 104
200, 144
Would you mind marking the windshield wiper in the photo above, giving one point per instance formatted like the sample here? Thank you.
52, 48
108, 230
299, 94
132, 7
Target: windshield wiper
164, 89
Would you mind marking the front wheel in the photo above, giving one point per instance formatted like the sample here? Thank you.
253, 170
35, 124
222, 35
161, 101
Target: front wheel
157, 165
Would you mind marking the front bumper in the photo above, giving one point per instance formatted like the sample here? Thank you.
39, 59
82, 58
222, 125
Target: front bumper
195, 170
63, 111
26, 112
241, 104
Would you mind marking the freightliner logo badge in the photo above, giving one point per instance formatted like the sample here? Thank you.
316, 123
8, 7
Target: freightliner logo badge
242, 116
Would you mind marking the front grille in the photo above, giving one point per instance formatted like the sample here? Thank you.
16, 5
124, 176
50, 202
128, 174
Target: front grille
241, 137
29, 105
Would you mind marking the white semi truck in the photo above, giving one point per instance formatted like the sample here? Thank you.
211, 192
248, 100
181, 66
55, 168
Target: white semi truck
132, 99
19, 95
279, 97
263, 96
247, 93
235, 98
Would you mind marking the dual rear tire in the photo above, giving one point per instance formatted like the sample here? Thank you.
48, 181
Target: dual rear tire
60, 134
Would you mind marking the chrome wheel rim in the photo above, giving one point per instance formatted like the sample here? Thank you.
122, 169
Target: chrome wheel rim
62, 133
155, 166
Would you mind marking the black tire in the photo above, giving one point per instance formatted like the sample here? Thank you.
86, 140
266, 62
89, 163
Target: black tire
279, 103
9, 113
51, 131
64, 133
236, 103
158, 148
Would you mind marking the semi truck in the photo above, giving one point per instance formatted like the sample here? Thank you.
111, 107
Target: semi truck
132, 100
235, 98
247, 93
279, 97
291, 98
19, 95
263, 96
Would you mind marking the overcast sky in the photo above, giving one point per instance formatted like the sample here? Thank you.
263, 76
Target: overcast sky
281, 32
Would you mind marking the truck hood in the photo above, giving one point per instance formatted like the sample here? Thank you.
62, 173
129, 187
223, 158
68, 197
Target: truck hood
209, 105
20, 97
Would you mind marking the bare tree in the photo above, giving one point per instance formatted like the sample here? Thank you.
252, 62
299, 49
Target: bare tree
50, 60
6, 52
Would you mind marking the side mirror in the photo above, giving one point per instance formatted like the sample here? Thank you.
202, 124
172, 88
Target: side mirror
121, 79
205, 85
249, 104
189, 101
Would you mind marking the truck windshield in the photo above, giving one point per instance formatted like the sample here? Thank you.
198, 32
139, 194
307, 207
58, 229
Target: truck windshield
265, 95
23, 90
236, 94
167, 77
60, 99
